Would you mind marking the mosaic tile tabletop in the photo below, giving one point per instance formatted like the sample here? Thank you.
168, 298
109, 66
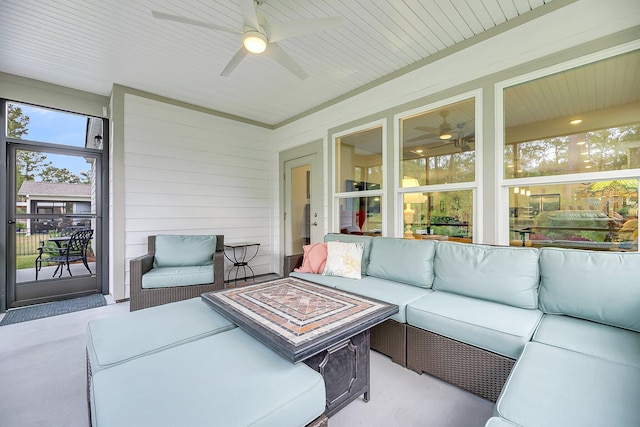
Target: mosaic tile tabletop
296, 310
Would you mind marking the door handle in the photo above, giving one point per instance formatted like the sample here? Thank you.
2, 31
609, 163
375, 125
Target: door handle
11, 221
314, 223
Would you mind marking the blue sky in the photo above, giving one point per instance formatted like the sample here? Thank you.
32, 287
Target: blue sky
60, 128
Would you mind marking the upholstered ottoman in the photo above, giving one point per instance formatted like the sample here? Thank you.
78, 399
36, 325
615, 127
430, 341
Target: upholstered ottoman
228, 379
499, 422
116, 340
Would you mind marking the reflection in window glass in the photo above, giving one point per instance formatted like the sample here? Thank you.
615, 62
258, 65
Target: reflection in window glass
444, 215
600, 215
361, 215
359, 161
438, 146
44, 125
570, 122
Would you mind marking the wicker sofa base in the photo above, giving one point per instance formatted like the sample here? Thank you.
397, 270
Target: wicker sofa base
390, 339
471, 368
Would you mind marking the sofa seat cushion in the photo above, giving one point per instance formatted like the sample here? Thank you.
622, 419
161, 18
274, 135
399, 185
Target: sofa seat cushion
388, 291
184, 250
498, 328
402, 260
551, 386
329, 281
598, 286
507, 275
169, 277
607, 342
227, 379
118, 339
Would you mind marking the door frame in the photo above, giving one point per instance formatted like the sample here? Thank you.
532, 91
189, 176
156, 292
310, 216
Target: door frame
7, 290
312, 151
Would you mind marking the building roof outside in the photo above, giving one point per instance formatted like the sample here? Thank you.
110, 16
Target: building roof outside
33, 188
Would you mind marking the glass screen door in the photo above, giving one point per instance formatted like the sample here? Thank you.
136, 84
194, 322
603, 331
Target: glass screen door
54, 199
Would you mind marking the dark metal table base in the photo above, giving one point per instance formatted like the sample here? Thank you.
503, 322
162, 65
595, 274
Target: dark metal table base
346, 372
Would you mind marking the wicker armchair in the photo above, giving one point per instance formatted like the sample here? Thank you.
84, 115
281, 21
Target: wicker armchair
148, 297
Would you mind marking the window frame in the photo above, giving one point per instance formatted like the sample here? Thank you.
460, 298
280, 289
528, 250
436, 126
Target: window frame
504, 184
336, 196
475, 185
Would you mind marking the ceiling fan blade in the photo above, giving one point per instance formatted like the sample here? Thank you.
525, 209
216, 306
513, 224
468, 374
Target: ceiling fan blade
234, 62
423, 138
183, 20
281, 57
277, 31
249, 14
427, 129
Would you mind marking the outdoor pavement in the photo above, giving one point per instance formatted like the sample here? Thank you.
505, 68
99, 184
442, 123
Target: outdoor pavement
46, 273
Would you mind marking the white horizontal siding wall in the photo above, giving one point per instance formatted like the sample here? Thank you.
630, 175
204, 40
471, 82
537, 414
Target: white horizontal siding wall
189, 172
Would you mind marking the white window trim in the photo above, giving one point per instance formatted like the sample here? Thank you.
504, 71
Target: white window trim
336, 196
504, 184
475, 186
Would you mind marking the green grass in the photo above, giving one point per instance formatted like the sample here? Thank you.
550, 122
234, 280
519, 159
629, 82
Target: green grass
25, 261
27, 249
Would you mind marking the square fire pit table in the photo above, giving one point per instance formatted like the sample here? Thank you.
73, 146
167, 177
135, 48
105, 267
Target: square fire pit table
325, 328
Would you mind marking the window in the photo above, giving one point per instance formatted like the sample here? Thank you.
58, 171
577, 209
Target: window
438, 146
359, 181
445, 215
589, 215
572, 156
438, 171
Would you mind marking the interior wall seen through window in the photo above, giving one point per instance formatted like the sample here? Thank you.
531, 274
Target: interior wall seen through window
359, 161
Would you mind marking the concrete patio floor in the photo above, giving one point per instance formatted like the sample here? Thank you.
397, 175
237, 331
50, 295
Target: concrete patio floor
46, 273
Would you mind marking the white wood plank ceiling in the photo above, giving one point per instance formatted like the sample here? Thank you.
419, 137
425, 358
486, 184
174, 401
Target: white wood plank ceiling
92, 44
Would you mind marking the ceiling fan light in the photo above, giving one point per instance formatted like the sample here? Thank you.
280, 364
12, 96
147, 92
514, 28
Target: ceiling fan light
445, 135
254, 41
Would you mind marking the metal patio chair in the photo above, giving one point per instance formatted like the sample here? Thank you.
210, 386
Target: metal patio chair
63, 254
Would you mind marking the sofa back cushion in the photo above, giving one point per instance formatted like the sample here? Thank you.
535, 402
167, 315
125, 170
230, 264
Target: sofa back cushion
352, 238
600, 286
500, 274
183, 250
401, 260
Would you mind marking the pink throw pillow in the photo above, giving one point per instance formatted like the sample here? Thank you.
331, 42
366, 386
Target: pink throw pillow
315, 257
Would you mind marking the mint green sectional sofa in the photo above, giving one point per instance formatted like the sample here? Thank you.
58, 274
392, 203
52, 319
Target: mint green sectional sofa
552, 335
183, 364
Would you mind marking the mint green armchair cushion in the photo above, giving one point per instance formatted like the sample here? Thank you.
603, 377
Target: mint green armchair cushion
184, 250
600, 286
401, 260
500, 274
168, 277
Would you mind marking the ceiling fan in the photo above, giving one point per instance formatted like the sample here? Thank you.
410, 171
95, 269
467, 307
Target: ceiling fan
445, 133
260, 36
